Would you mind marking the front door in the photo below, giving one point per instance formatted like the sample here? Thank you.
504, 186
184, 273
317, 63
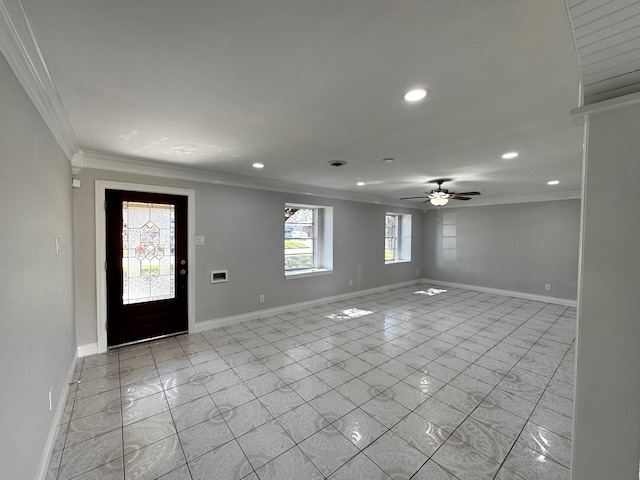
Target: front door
146, 266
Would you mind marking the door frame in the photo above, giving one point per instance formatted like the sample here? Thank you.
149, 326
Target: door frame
101, 248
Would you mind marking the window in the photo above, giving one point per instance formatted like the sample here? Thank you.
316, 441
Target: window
449, 237
397, 238
390, 237
308, 240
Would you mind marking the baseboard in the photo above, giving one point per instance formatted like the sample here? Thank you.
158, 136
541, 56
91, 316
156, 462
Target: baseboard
269, 312
92, 348
88, 349
55, 423
508, 293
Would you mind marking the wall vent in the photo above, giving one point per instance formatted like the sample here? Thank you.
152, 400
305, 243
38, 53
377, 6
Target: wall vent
219, 276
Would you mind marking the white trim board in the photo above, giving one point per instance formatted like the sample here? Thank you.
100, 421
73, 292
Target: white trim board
507, 293
246, 317
269, 312
86, 350
611, 104
101, 257
19, 46
136, 166
204, 326
47, 452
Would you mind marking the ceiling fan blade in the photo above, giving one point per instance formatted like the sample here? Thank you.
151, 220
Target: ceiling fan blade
443, 192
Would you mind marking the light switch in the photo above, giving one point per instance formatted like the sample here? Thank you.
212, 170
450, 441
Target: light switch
200, 240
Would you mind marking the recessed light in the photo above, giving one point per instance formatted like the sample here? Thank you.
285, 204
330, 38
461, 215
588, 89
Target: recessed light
510, 155
553, 182
360, 184
258, 165
416, 94
387, 160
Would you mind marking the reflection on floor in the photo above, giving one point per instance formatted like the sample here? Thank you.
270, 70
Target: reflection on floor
452, 385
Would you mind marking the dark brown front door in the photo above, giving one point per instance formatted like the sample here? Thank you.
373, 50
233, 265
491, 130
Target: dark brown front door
147, 266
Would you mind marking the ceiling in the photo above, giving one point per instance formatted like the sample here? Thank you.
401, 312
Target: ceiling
215, 86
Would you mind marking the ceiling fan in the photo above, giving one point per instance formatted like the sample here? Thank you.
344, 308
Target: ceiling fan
441, 196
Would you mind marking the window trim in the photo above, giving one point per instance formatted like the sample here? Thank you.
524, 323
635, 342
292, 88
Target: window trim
322, 242
309, 272
395, 252
402, 244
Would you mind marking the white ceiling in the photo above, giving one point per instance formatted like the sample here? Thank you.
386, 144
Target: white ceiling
294, 84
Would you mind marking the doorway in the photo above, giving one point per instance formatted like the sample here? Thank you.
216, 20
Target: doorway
146, 264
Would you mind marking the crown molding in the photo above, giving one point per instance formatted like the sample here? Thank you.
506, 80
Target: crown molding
116, 163
77, 162
134, 166
19, 46
525, 198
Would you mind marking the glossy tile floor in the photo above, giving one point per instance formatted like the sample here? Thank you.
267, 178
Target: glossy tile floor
439, 386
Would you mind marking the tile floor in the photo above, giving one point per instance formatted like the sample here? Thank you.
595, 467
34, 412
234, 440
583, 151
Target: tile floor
401, 385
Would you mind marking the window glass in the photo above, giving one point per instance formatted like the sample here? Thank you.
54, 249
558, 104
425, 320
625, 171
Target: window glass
299, 239
308, 240
390, 240
397, 237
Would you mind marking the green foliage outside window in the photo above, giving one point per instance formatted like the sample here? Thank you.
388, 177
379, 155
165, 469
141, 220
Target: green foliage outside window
294, 262
295, 244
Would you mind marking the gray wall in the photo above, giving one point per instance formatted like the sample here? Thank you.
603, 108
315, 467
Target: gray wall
37, 344
606, 437
244, 233
518, 247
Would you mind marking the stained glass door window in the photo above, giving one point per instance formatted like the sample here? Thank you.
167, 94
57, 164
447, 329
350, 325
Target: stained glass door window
148, 252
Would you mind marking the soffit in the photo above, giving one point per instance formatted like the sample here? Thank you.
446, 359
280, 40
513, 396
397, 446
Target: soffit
607, 38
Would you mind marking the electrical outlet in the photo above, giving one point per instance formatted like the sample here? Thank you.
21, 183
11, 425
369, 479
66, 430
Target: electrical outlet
351, 283
261, 298
547, 286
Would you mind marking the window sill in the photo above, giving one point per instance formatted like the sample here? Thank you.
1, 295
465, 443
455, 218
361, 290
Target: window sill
389, 262
311, 272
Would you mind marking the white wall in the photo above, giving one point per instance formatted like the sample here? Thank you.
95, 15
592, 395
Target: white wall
37, 341
517, 247
607, 417
244, 233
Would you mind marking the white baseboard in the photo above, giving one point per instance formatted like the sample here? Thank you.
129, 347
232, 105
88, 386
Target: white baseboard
55, 423
269, 312
508, 293
92, 348
88, 349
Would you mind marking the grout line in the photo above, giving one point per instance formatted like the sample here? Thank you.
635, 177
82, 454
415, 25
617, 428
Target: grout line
439, 312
